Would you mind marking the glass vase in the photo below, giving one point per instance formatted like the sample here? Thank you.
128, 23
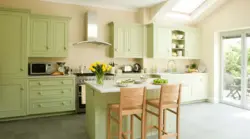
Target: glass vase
99, 79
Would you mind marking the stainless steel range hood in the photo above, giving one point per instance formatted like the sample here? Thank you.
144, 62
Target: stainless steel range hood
92, 30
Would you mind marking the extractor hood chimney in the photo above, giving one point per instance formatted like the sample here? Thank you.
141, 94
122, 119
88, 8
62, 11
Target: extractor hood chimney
92, 30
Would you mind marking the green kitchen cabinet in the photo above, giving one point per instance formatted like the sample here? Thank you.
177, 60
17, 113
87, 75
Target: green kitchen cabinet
158, 41
60, 37
127, 40
50, 95
13, 97
13, 43
49, 36
40, 36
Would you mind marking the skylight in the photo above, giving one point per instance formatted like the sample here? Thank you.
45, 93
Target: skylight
187, 6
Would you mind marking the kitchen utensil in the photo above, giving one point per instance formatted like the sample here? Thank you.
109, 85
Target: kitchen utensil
138, 81
179, 36
137, 67
61, 67
173, 45
180, 46
179, 53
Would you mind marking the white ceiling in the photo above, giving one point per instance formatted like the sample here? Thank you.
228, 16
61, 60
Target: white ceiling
113, 4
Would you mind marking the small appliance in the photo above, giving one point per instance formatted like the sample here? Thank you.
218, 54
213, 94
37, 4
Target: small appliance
137, 67
41, 68
127, 69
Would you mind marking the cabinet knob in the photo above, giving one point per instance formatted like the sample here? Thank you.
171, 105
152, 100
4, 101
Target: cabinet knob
40, 105
21, 69
40, 93
115, 49
62, 92
39, 83
63, 103
128, 49
47, 47
65, 48
21, 88
62, 82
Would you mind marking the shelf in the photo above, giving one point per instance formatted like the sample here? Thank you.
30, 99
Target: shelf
178, 39
182, 57
178, 48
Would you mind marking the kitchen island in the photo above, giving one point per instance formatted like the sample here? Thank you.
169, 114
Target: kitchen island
97, 99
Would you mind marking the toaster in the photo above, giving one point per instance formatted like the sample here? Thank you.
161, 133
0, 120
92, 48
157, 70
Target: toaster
127, 68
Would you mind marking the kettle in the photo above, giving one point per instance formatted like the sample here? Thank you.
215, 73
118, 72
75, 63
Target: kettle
137, 67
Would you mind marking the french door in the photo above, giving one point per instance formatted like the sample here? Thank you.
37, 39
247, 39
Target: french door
235, 68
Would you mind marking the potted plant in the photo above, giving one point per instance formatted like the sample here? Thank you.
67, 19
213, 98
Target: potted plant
99, 69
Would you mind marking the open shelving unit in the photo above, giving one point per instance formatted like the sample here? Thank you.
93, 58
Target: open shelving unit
178, 43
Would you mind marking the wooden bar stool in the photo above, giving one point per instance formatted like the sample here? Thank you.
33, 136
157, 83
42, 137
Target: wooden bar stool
170, 96
132, 102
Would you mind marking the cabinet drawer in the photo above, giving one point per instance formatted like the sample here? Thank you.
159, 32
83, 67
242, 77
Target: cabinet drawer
51, 82
49, 106
51, 93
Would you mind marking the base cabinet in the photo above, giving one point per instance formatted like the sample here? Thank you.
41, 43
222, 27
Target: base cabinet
13, 97
194, 86
48, 95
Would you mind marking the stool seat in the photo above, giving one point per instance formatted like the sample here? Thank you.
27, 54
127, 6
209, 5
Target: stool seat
165, 104
125, 111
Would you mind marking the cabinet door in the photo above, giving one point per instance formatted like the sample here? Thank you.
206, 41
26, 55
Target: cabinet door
162, 42
192, 43
135, 45
13, 97
199, 88
40, 45
60, 37
13, 44
120, 42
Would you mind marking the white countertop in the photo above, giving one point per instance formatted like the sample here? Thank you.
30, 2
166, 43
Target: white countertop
110, 86
51, 76
164, 74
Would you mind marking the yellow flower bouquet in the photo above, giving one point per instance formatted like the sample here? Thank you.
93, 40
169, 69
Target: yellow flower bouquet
99, 69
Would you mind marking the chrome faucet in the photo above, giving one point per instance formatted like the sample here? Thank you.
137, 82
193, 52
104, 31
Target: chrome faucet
171, 66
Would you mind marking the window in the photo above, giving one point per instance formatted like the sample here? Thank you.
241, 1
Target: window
187, 6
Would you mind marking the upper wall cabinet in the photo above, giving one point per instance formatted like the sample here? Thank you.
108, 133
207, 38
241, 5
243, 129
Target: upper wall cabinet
193, 42
13, 42
49, 36
158, 41
127, 40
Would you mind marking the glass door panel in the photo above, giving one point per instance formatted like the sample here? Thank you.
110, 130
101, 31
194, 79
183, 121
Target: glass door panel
232, 71
248, 72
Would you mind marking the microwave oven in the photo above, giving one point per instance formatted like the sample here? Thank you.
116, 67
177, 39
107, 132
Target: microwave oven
41, 68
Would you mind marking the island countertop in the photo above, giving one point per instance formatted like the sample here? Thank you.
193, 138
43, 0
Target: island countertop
111, 87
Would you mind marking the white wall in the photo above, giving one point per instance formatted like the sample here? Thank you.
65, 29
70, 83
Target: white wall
235, 14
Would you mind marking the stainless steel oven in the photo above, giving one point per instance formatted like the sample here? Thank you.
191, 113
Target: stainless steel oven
41, 68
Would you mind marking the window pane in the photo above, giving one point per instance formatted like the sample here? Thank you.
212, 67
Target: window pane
187, 6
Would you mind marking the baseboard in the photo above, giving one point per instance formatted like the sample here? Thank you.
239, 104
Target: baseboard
36, 116
213, 100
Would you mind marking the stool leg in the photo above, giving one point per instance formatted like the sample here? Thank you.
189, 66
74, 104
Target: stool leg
164, 120
178, 123
132, 126
143, 125
120, 126
108, 123
160, 124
